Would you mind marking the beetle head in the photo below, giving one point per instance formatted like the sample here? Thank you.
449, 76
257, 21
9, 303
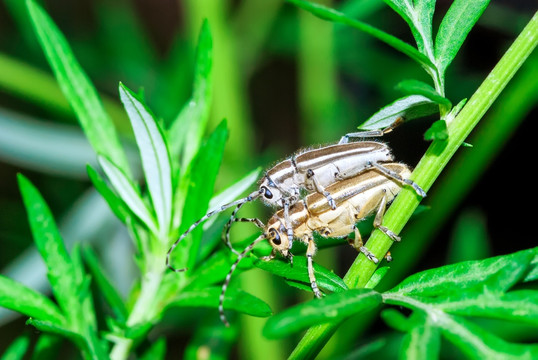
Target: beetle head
278, 238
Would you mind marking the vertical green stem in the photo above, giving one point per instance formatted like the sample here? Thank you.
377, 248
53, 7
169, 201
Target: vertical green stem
428, 169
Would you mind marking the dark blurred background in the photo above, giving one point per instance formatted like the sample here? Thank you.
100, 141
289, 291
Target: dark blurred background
284, 80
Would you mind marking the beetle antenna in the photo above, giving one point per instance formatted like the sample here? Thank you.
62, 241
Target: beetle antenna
229, 276
238, 203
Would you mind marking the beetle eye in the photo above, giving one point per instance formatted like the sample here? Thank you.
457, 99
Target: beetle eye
276, 237
268, 194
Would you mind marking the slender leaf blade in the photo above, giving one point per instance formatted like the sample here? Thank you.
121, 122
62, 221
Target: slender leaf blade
29, 302
128, 192
185, 134
77, 88
455, 26
331, 308
409, 107
234, 300
16, 349
329, 14
416, 87
422, 341
155, 156
325, 278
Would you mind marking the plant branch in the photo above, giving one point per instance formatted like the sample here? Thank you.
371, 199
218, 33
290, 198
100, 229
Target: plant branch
426, 172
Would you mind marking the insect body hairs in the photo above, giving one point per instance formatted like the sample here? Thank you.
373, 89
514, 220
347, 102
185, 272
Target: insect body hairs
356, 198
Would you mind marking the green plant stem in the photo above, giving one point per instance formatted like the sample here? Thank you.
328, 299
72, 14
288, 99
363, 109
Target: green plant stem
428, 169
41, 88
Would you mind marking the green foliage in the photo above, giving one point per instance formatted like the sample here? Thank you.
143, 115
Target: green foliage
180, 166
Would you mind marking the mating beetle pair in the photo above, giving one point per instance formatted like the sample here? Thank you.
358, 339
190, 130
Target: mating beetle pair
344, 183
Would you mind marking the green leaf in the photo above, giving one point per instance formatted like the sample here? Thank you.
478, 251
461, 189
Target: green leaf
47, 347
416, 87
458, 21
422, 341
128, 192
16, 349
203, 174
438, 131
518, 305
331, 308
60, 269
29, 302
108, 291
338, 17
235, 300
155, 157
325, 278
116, 204
477, 343
377, 277
498, 273
52, 328
409, 107
185, 134
77, 88
469, 240
156, 351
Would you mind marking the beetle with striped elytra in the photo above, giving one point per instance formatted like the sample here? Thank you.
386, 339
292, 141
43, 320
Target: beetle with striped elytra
312, 171
355, 199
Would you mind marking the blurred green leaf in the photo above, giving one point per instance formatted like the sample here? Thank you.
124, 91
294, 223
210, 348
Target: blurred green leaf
456, 24
105, 286
185, 134
338, 17
157, 350
17, 349
155, 158
201, 181
29, 302
47, 347
331, 308
469, 240
325, 278
128, 192
211, 340
77, 88
438, 131
409, 107
52, 328
376, 278
416, 87
235, 300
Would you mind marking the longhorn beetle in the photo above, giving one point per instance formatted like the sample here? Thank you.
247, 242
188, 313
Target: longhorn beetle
312, 170
355, 199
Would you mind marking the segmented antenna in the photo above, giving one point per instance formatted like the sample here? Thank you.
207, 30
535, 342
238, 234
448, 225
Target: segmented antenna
238, 203
229, 276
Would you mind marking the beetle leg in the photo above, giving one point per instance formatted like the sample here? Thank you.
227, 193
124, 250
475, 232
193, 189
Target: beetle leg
358, 244
379, 219
371, 133
269, 257
287, 221
393, 175
310, 251
320, 189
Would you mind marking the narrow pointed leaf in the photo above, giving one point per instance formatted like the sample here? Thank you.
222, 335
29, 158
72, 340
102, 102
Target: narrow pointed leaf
156, 351
17, 297
52, 328
235, 300
185, 134
416, 87
116, 204
77, 88
458, 21
104, 284
325, 278
331, 308
409, 107
155, 157
16, 349
128, 192
422, 341
438, 131
338, 17
60, 270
